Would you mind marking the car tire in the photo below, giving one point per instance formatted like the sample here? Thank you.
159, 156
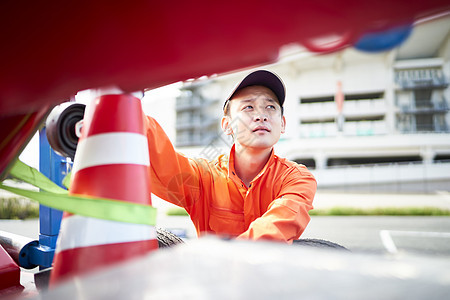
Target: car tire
319, 243
167, 239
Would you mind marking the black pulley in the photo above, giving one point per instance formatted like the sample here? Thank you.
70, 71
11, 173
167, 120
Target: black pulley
60, 126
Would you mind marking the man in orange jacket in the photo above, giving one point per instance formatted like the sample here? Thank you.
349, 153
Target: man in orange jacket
251, 193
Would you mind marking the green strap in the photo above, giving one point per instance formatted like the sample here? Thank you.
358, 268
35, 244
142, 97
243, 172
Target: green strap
66, 180
58, 198
34, 177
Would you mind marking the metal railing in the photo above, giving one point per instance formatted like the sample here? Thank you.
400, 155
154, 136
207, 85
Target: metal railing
393, 177
425, 106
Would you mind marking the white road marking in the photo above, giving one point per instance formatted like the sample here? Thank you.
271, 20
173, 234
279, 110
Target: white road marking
390, 246
387, 241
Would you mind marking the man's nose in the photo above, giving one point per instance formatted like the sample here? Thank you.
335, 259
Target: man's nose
260, 116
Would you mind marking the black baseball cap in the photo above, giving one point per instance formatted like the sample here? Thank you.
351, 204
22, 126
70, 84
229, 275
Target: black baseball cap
263, 78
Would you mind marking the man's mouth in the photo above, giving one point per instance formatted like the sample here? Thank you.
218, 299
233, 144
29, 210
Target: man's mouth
261, 128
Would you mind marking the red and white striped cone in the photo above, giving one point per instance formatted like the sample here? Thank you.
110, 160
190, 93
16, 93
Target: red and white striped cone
112, 161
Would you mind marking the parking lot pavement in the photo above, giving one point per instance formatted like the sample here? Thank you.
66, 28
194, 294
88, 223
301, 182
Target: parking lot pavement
373, 234
27, 228
384, 234
378, 234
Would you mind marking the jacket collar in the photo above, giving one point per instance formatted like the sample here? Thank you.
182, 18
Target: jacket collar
232, 171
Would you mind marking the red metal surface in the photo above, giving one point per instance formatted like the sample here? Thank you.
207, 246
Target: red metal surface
51, 50
9, 275
15, 132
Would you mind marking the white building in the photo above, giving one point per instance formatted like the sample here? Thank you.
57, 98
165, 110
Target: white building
396, 130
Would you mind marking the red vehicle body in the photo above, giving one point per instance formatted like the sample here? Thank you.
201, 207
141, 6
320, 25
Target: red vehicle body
51, 51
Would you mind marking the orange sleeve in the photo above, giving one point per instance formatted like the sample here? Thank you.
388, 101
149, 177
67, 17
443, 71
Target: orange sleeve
287, 216
174, 177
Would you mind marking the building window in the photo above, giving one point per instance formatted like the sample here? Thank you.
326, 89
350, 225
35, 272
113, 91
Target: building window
420, 78
310, 163
424, 123
422, 98
346, 161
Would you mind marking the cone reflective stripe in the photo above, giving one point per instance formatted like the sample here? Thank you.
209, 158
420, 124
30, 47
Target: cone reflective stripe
88, 243
119, 163
111, 161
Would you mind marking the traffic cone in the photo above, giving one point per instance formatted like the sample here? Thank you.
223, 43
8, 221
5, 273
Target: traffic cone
112, 161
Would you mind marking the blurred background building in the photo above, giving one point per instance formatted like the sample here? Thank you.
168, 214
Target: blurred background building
391, 133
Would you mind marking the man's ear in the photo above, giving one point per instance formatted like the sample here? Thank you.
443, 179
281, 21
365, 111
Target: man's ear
283, 124
226, 125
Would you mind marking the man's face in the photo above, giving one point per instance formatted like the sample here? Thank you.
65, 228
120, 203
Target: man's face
254, 119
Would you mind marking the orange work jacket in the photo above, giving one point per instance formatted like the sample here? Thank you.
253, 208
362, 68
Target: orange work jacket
274, 206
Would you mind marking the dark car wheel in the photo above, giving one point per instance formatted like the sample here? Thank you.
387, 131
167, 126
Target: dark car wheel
318, 243
167, 239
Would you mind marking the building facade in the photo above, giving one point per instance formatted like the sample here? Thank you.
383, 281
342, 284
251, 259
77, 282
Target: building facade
391, 132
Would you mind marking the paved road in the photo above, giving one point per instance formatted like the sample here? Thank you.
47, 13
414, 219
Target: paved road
373, 234
385, 234
27, 228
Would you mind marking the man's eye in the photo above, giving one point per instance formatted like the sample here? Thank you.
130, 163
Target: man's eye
247, 107
271, 107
